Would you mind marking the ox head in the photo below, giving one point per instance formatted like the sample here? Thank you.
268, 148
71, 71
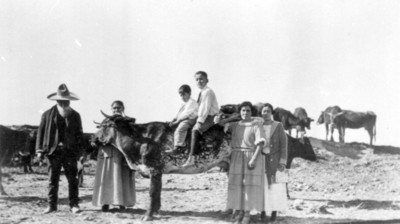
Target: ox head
307, 122
321, 119
113, 127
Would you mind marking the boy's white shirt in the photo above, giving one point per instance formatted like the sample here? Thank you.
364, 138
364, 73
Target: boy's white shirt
188, 110
208, 104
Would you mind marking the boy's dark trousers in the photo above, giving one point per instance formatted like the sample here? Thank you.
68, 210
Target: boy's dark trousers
60, 158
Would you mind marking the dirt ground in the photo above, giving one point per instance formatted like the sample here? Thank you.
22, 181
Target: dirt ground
350, 183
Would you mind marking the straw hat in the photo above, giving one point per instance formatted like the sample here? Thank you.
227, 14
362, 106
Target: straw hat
63, 94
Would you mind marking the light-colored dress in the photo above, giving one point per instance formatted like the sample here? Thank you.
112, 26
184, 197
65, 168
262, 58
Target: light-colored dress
275, 197
114, 182
245, 186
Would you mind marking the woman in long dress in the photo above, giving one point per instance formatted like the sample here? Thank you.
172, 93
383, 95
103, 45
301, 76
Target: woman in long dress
275, 154
246, 170
114, 182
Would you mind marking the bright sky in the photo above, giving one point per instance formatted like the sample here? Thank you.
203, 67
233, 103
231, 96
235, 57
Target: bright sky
312, 54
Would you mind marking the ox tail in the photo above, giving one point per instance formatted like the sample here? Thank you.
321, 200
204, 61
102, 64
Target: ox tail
374, 129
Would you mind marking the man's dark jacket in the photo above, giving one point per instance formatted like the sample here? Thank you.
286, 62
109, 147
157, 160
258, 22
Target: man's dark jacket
47, 137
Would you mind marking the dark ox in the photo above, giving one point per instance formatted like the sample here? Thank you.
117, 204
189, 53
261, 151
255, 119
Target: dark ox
326, 118
24, 160
11, 142
355, 120
301, 114
143, 146
290, 121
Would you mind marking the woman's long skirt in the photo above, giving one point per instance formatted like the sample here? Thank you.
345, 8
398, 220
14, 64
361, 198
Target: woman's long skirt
114, 182
245, 186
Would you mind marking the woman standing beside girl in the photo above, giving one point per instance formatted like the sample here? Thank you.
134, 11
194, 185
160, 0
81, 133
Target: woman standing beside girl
246, 170
275, 154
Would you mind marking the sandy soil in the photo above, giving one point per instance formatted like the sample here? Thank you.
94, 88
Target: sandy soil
350, 183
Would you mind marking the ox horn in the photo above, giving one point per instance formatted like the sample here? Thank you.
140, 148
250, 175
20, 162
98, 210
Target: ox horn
104, 114
98, 123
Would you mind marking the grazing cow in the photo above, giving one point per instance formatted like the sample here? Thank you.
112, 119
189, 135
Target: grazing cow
326, 118
289, 121
355, 120
11, 142
301, 114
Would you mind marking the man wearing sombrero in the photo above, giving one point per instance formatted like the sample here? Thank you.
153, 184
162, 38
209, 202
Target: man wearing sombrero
59, 137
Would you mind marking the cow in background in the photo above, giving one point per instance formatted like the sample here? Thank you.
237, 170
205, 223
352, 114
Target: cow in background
11, 142
354, 120
289, 121
301, 114
25, 160
326, 118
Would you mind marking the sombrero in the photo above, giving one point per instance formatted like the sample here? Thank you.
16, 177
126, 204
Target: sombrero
63, 94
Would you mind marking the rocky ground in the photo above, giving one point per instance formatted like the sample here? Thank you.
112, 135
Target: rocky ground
350, 183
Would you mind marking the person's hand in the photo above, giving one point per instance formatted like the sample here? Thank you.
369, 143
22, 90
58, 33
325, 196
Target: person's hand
252, 164
217, 118
281, 167
174, 123
235, 116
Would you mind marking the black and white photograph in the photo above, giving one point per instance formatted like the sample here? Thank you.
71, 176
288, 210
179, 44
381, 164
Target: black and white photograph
199, 111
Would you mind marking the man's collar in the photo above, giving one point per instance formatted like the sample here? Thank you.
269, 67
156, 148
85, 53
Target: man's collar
204, 88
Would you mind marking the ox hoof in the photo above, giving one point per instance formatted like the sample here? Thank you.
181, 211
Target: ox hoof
146, 218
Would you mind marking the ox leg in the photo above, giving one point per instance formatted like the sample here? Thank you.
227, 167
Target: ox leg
371, 134
30, 164
341, 135
332, 131
2, 192
155, 194
327, 132
81, 170
287, 191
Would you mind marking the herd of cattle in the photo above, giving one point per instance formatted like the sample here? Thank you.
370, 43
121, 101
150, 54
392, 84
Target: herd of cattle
17, 143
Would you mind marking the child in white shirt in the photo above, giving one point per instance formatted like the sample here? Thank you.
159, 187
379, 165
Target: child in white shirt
185, 118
